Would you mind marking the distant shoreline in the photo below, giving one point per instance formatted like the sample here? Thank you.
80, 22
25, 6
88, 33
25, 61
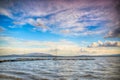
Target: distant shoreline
62, 56
44, 58
33, 58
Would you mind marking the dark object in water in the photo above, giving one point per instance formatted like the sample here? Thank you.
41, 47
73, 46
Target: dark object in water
54, 58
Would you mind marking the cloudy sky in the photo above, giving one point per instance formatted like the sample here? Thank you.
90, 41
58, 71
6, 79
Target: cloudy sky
70, 27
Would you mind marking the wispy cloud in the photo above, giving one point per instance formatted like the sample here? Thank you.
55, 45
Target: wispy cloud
78, 18
6, 12
71, 18
113, 33
38, 23
2, 29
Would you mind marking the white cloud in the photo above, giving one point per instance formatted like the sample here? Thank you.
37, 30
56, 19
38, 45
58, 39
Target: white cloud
63, 19
14, 45
2, 29
64, 47
38, 23
19, 23
5, 12
105, 44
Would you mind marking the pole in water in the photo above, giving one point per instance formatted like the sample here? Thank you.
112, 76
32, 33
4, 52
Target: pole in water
55, 50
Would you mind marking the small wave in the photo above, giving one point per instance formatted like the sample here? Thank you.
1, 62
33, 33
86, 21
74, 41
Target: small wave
20, 75
9, 76
89, 76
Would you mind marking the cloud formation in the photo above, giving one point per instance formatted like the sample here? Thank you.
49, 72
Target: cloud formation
73, 20
113, 33
63, 47
5, 12
38, 23
105, 44
2, 29
77, 19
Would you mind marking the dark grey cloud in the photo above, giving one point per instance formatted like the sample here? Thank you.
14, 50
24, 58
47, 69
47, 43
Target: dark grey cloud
114, 33
117, 6
115, 30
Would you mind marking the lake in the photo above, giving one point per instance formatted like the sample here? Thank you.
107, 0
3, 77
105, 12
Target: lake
101, 68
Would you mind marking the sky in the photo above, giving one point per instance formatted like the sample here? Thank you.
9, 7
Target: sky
60, 27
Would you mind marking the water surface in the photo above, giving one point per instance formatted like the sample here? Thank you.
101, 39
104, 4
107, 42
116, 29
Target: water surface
102, 68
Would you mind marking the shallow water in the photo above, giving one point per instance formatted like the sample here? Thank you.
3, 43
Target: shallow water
102, 68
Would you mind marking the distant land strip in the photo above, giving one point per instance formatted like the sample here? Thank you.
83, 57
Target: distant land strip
32, 59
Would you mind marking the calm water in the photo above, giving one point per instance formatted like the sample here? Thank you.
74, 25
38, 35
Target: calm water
102, 68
